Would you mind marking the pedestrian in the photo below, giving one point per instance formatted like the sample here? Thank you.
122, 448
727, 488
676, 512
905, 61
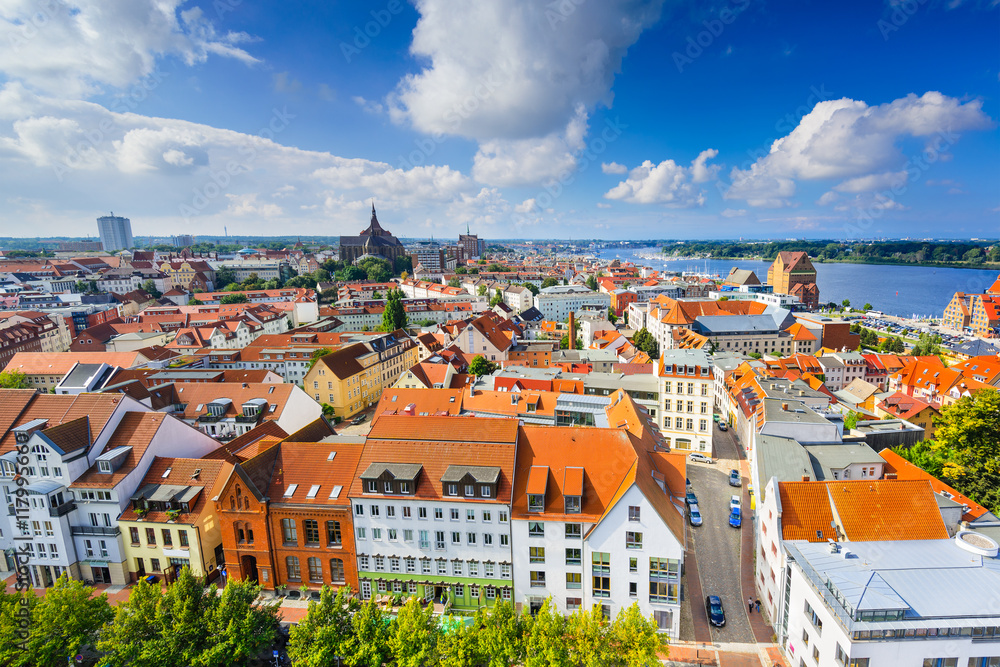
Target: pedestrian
749, 605
757, 603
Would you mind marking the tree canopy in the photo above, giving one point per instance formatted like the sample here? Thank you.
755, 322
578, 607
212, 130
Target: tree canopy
14, 379
394, 315
481, 366
645, 341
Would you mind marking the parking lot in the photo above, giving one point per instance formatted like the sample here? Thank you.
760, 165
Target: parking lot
716, 543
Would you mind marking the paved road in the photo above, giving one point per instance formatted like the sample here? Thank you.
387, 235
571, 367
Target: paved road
716, 544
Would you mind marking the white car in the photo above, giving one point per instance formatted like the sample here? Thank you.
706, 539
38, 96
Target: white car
699, 458
734, 501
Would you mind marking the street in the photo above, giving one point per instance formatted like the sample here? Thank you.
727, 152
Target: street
716, 543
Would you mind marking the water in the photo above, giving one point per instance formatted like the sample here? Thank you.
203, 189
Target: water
904, 291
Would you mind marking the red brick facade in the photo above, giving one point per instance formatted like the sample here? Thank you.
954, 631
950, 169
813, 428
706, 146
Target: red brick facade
335, 563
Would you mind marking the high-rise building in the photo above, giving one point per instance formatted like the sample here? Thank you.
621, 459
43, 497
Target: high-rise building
471, 245
793, 273
115, 231
183, 240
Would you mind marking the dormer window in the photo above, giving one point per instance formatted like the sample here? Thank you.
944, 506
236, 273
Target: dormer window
387, 487
453, 489
104, 466
572, 504
372, 486
470, 491
485, 491
404, 487
536, 502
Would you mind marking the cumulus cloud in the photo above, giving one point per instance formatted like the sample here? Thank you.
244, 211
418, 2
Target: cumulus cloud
733, 213
601, 204
79, 47
527, 206
515, 69
508, 162
872, 182
827, 198
847, 139
369, 106
187, 171
613, 168
666, 183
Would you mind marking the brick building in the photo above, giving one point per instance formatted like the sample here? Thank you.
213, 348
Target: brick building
793, 273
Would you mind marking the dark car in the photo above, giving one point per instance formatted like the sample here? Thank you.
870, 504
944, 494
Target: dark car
690, 498
360, 419
734, 518
734, 478
716, 615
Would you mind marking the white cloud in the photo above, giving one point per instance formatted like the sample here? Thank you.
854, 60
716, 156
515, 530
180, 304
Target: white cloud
508, 162
77, 48
733, 213
56, 153
847, 139
700, 172
613, 168
326, 93
872, 182
666, 183
515, 69
369, 106
601, 204
827, 198
527, 206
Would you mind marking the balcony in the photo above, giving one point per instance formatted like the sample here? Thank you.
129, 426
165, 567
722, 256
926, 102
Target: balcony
63, 509
248, 419
209, 418
109, 531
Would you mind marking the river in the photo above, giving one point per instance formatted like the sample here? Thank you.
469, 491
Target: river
904, 291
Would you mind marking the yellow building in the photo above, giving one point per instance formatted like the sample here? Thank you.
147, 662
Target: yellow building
353, 377
171, 520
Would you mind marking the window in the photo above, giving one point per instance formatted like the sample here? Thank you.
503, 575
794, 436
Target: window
505, 570
633, 564
537, 579
154, 564
487, 516
425, 565
602, 586
439, 539
473, 568
292, 566
315, 570
394, 563
406, 512
390, 511
633, 589
536, 502
572, 504
333, 533
940, 662
182, 537
359, 510
504, 539
536, 554
485, 491
456, 537
470, 490
421, 512
167, 538
404, 487
502, 514
488, 569
454, 514
337, 570
470, 539
805, 638
150, 537
393, 534
361, 532
133, 534
814, 619
841, 656
408, 535
374, 510
573, 604
289, 533
376, 533
574, 531
438, 514
311, 529
470, 515
442, 566
633, 540
380, 563
573, 556
536, 529
362, 562
633, 513
452, 490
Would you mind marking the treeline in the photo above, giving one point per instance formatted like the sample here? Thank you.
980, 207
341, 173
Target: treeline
965, 451
193, 624
883, 252
361, 634
372, 269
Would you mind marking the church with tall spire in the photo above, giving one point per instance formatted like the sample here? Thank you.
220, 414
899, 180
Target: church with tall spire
373, 241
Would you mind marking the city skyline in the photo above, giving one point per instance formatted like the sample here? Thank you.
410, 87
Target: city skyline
662, 121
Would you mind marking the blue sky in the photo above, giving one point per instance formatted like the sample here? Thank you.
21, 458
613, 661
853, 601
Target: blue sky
566, 119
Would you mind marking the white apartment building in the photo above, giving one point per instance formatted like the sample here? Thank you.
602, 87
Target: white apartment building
687, 394
432, 509
914, 603
598, 519
558, 301
86, 455
518, 297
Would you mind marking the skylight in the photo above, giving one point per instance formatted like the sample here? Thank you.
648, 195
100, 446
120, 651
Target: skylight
166, 473
331, 456
313, 490
290, 491
336, 492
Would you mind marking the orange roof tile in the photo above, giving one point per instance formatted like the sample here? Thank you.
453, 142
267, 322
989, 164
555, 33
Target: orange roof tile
135, 430
903, 469
206, 473
538, 480
309, 464
805, 511
887, 510
444, 429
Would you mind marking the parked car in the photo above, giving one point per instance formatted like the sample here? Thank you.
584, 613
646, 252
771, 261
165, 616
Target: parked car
734, 478
690, 498
687, 482
716, 614
723, 426
734, 501
360, 419
694, 515
734, 517
700, 458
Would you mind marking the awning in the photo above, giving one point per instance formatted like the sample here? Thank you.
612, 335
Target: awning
43, 486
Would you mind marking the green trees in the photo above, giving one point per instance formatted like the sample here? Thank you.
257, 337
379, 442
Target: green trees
965, 451
497, 298
454, 282
315, 356
377, 270
550, 282
235, 297
592, 283
188, 625
480, 366
481, 291
413, 642
368, 644
531, 287
611, 316
645, 341
319, 639
927, 345
13, 379
546, 640
149, 287
224, 276
394, 316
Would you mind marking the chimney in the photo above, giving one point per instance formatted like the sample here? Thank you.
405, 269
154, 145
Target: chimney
805, 478
890, 475
572, 332
784, 407
410, 409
